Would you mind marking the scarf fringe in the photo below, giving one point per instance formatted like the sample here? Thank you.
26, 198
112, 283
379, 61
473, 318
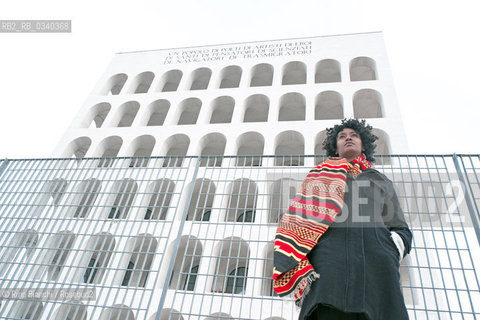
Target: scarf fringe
303, 288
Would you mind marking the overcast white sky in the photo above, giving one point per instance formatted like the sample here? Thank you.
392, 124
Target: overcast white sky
433, 49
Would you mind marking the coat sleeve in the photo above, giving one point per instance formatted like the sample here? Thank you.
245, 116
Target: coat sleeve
394, 218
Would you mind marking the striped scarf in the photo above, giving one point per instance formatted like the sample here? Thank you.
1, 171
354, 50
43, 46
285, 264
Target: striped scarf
309, 215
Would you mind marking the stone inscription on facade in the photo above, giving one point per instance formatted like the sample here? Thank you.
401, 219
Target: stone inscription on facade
241, 51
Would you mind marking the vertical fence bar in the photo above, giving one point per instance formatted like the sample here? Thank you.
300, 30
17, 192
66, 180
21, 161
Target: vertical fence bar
3, 166
177, 242
473, 214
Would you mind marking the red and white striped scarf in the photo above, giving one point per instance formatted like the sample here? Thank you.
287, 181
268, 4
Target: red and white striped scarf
309, 215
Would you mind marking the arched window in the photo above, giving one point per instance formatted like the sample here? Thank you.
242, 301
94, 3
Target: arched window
190, 108
242, 201
57, 189
294, 72
141, 147
142, 248
262, 75
96, 258
96, 115
327, 70
157, 112
91, 272
236, 281
230, 77
250, 147
18, 250
256, 108
142, 82
212, 147
168, 314
363, 69
292, 107
128, 273
202, 200
200, 79
367, 103
26, 309
114, 85
176, 148
59, 246
186, 266
319, 151
383, 147
158, 199
123, 193
219, 316
206, 215
289, 149
328, 105
108, 149
282, 191
222, 110
116, 312
247, 216
126, 114
170, 81
232, 264
191, 279
77, 148
74, 310
48, 194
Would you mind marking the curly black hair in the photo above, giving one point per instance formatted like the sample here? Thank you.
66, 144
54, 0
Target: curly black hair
360, 127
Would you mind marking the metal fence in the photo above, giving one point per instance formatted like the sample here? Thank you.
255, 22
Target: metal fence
192, 237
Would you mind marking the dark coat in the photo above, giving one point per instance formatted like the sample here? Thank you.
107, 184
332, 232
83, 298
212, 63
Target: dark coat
356, 258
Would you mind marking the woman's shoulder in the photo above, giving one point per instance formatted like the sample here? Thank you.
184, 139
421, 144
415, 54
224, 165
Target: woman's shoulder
376, 175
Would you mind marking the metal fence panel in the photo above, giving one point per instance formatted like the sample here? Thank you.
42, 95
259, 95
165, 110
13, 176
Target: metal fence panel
192, 238
101, 224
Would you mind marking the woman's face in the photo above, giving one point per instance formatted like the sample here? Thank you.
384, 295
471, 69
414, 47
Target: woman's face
349, 144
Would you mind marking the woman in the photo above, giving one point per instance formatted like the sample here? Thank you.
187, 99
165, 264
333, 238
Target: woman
338, 248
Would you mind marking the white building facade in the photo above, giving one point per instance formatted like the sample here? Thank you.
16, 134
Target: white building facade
272, 97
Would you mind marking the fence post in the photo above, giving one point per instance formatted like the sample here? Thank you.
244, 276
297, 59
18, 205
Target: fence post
474, 214
177, 242
3, 166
